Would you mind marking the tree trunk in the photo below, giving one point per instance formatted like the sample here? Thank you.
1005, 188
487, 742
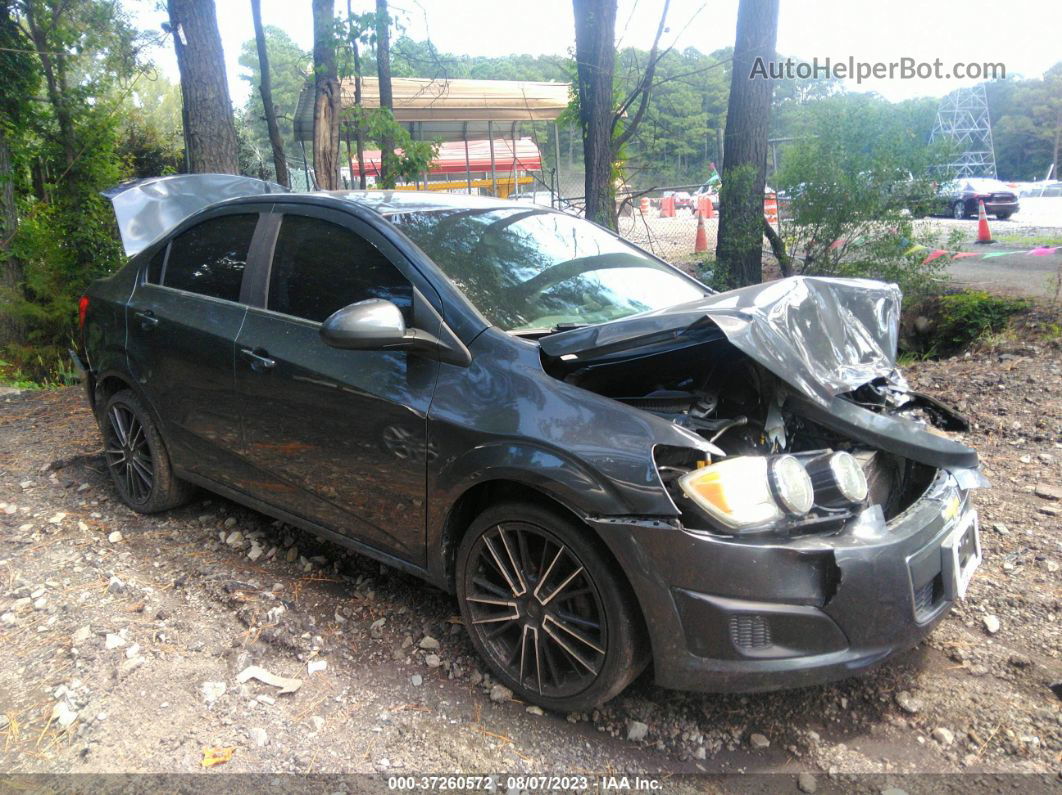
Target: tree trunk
12, 329
595, 58
327, 103
740, 245
280, 162
383, 71
209, 133
359, 130
785, 262
1058, 140
53, 64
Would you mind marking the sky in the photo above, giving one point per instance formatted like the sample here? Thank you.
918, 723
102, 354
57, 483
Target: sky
1021, 34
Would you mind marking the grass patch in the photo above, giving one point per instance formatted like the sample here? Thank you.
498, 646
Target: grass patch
953, 322
26, 367
1031, 240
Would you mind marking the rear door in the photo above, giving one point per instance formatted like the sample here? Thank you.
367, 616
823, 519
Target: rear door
182, 323
336, 436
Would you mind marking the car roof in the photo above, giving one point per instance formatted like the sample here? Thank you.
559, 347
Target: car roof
397, 202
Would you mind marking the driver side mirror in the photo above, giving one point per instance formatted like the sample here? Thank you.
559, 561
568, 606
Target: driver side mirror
365, 326
377, 324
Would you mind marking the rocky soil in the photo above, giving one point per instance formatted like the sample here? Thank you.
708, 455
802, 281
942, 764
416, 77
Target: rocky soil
127, 642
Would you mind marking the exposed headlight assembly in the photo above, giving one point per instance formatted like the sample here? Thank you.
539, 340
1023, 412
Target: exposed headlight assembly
749, 493
838, 480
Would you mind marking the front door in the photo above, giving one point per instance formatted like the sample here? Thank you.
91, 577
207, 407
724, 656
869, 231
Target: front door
182, 322
334, 436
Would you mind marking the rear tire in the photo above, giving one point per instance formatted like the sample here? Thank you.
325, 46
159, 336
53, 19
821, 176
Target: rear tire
1003, 216
958, 211
545, 610
137, 458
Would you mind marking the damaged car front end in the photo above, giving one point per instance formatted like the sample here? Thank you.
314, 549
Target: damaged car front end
826, 525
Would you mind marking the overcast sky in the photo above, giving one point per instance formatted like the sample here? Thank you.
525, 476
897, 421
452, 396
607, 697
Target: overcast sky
1022, 34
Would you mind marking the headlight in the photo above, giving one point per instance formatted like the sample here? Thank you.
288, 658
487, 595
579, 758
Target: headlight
750, 492
791, 485
838, 480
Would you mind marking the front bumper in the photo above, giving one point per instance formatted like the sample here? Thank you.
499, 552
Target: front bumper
732, 616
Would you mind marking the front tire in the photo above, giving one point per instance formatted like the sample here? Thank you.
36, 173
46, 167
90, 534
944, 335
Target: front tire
545, 609
958, 211
137, 458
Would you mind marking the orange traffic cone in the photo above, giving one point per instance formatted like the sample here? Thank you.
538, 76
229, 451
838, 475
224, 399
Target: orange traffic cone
983, 235
701, 243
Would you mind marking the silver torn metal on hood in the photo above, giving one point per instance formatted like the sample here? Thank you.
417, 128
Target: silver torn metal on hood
823, 336
146, 209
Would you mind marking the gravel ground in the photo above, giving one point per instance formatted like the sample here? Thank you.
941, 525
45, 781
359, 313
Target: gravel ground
123, 637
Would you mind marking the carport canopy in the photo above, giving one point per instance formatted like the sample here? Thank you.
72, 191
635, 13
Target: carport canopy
449, 110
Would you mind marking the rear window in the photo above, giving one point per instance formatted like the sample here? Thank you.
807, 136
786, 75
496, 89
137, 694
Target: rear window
209, 259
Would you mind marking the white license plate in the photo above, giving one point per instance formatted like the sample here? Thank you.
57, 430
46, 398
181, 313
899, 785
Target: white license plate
961, 552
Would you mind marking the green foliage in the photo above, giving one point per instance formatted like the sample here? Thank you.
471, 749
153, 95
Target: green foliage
715, 274
963, 318
1026, 117
290, 67
852, 183
65, 150
151, 136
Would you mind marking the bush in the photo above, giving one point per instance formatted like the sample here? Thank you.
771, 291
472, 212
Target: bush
851, 187
948, 324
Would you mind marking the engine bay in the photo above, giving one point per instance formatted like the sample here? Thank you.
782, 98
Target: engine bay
703, 383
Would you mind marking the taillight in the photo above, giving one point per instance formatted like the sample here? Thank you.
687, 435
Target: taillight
82, 310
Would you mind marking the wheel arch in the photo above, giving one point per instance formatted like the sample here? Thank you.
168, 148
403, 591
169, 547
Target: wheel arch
110, 383
486, 493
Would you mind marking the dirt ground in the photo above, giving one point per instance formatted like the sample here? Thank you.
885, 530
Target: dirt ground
122, 637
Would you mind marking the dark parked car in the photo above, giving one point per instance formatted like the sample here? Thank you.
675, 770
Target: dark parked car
960, 198
606, 462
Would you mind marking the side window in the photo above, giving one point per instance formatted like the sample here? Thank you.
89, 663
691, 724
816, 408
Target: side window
154, 269
210, 258
319, 267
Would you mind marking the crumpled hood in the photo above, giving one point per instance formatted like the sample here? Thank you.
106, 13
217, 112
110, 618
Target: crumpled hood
146, 209
822, 336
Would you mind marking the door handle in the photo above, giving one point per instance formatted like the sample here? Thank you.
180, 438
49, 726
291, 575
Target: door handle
258, 358
147, 319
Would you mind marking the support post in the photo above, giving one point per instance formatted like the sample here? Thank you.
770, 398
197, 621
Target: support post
556, 166
516, 163
493, 171
468, 166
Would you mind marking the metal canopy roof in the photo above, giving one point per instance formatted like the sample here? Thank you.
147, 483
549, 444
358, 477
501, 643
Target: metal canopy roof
450, 110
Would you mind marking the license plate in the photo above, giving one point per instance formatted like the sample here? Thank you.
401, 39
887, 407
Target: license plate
961, 553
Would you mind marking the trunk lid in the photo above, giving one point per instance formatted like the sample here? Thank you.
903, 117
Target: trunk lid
146, 209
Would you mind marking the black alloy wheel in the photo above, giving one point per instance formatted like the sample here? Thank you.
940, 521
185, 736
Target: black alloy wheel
544, 610
129, 454
137, 458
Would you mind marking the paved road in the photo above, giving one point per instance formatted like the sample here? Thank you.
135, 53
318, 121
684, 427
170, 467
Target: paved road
1014, 274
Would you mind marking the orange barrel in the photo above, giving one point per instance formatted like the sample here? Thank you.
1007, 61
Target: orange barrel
704, 207
770, 207
643, 205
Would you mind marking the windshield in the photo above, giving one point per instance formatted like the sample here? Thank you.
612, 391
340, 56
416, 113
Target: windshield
531, 269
